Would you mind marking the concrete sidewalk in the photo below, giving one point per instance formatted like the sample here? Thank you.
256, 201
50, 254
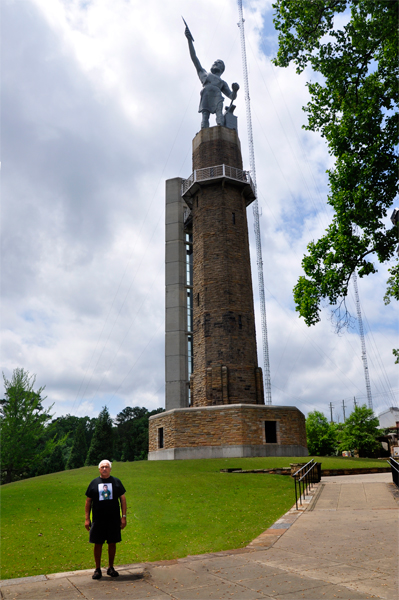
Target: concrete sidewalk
343, 546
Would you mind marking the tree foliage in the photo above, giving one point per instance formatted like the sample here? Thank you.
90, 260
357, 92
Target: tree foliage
32, 444
320, 434
132, 433
354, 104
66, 426
101, 446
393, 284
22, 426
393, 292
360, 432
77, 456
55, 461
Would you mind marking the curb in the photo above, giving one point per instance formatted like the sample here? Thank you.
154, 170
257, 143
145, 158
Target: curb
138, 571
268, 538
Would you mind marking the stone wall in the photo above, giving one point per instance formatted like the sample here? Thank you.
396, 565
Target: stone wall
216, 146
235, 425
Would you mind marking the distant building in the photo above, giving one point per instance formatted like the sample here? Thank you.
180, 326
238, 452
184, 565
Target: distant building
389, 418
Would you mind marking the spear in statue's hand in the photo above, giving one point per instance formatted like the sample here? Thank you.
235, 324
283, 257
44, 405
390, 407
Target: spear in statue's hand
188, 32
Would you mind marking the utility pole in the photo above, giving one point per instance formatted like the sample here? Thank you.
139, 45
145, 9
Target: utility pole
354, 401
331, 412
343, 409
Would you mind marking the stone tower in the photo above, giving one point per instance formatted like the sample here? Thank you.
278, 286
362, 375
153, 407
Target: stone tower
225, 358
214, 387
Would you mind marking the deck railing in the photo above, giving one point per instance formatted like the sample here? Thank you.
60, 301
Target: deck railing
217, 172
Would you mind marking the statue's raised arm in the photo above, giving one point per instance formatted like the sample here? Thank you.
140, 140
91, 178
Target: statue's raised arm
212, 86
193, 55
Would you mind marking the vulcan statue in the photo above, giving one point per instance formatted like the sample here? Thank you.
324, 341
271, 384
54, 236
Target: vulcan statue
213, 86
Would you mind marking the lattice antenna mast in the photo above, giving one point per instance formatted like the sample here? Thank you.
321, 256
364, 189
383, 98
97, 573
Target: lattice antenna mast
364, 355
259, 261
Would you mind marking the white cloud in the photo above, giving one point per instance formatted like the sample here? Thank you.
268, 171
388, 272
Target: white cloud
100, 106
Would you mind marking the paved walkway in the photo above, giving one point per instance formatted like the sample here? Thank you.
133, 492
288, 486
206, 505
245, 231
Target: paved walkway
343, 546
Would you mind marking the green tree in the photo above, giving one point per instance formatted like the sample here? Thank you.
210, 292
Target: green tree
132, 433
64, 427
320, 434
354, 104
393, 292
360, 432
78, 452
55, 461
22, 427
101, 446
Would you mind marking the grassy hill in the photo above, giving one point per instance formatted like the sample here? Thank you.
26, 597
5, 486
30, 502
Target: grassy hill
175, 508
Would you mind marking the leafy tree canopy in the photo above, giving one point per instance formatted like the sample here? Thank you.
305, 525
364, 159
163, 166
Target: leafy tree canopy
55, 462
132, 433
360, 431
101, 446
78, 452
393, 292
22, 426
354, 104
129, 413
66, 426
320, 434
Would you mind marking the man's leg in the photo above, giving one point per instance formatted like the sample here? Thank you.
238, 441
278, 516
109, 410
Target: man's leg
98, 548
205, 119
111, 554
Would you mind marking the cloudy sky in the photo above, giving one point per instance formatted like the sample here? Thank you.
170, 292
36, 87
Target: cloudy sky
100, 104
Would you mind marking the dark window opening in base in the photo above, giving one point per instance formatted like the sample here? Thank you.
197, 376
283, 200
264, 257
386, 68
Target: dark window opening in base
271, 432
160, 437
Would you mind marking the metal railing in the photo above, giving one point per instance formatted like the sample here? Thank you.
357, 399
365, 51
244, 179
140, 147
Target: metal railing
304, 478
395, 470
217, 172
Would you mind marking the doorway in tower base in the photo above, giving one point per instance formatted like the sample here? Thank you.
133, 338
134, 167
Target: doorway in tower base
271, 432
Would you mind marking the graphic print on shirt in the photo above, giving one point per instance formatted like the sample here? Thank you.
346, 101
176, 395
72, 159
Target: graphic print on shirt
105, 491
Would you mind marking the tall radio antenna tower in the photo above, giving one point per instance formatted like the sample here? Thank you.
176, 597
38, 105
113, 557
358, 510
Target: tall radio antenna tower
259, 261
364, 355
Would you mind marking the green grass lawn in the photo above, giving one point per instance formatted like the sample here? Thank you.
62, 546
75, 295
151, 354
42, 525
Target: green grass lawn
175, 508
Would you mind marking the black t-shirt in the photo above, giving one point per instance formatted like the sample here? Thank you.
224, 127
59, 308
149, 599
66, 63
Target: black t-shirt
105, 494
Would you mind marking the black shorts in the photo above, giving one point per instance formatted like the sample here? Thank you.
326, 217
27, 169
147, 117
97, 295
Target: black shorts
109, 532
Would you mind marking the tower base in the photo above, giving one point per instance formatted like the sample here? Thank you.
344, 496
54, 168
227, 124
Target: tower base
227, 431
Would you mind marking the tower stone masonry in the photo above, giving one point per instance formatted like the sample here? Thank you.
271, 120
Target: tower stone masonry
213, 386
224, 340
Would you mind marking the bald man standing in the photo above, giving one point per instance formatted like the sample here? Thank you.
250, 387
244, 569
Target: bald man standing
104, 495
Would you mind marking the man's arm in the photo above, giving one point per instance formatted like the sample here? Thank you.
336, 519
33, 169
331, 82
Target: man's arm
87, 513
124, 508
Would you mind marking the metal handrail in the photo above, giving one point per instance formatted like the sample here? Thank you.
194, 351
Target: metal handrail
218, 171
306, 479
394, 470
303, 467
